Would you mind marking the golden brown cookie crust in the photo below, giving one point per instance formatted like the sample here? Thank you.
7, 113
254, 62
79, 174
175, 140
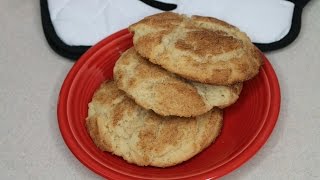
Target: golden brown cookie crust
202, 49
154, 88
118, 125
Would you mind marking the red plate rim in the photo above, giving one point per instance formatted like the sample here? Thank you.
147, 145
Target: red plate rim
231, 165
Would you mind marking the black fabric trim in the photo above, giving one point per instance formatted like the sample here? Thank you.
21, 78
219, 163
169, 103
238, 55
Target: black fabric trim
74, 52
300, 3
293, 32
71, 52
160, 5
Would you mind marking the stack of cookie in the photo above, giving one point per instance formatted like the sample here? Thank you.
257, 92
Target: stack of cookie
165, 103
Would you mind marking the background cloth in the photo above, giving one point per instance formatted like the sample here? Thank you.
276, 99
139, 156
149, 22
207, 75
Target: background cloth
71, 27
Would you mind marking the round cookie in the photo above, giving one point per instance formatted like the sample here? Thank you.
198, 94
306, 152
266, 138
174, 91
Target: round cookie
118, 125
165, 93
202, 49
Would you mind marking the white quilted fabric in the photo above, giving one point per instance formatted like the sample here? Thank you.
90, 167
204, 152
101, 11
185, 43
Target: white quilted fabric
85, 22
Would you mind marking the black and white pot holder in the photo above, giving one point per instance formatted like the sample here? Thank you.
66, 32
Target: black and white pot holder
73, 26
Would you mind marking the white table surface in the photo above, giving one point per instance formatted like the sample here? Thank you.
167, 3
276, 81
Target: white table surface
31, 74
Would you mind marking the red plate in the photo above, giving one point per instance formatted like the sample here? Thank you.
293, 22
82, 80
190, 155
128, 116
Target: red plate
247, 124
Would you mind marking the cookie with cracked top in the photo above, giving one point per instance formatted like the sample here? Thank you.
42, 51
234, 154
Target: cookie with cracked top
202, 49
152, 87
118, 125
